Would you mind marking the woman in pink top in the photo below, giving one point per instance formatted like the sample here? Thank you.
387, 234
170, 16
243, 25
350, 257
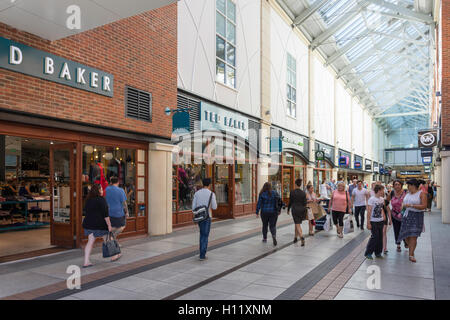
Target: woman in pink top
340, 204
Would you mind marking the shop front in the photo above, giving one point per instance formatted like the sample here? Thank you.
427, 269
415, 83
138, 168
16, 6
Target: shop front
368, 170
220, 149
323, 168
289, 164
46, 174
376, 171
344, 161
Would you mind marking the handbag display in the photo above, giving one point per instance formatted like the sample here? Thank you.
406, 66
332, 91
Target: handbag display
201, 213
110, 246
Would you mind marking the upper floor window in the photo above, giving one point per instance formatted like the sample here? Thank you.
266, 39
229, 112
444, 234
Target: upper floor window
291, 86
226, 42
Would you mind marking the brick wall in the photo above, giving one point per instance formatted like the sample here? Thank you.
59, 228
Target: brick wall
445, 73
140, 51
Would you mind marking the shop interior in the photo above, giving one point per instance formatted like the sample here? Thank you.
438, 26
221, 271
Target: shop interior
25, 194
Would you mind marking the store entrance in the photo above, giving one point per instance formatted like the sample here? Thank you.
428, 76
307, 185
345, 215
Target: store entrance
62, 162
223, 188
287, 183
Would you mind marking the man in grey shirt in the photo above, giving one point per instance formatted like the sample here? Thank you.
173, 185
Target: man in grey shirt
201, 198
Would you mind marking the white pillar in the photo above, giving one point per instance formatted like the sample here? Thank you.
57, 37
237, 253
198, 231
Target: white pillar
160, 188
445, 186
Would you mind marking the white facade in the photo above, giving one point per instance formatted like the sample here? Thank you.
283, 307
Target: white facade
343, 118
284, 40
197, 54
357, 129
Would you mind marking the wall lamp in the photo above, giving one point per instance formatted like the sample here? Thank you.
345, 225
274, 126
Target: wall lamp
169, 111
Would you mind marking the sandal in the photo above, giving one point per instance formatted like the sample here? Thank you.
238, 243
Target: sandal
116, 258
399, 249
89, 265
303, 241
412, 259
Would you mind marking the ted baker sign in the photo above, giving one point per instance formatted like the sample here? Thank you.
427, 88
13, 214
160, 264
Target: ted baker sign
30, 61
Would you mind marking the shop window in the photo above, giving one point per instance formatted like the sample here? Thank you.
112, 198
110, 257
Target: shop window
275, 181
291, 86
187, 179
100, 163
244, 183
288, 158
226, 42
221, 183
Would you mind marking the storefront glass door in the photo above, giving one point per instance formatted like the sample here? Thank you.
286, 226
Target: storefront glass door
62, 179
287, 184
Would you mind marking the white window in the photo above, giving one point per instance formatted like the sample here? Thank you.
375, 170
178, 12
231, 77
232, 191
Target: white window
291, 86
226, 42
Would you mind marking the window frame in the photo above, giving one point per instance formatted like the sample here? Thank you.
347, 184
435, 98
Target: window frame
227, 43
290, 110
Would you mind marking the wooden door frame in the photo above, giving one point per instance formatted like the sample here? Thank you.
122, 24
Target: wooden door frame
71, 146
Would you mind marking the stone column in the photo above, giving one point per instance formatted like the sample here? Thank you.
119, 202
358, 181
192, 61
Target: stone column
445, 186
160, 188
311, 122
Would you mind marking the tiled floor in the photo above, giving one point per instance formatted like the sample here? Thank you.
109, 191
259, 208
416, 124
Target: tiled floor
245, 268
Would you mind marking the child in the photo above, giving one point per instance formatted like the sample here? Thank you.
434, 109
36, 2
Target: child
375, 223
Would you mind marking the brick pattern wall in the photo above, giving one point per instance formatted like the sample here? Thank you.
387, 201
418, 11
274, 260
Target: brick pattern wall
140, 51
445, 73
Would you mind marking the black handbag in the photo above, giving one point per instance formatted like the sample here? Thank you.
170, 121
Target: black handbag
110, 246
201, 213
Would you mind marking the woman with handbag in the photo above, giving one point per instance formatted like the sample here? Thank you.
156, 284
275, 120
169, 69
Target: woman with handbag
396, 197
96, 223
340, 204
312, 207
269, 205
297, 201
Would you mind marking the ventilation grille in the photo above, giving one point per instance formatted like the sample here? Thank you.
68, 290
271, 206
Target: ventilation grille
194, 114
138, 104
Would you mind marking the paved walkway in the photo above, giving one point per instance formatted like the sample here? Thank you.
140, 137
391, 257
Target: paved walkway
241, 267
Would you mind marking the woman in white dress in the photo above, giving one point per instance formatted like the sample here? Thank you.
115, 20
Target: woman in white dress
414, 204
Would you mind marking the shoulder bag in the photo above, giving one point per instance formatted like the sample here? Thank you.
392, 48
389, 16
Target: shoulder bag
110, 246
202, 212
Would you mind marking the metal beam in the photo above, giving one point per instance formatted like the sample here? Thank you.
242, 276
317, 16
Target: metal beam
336, 26
403, 11
407, 114
305, 14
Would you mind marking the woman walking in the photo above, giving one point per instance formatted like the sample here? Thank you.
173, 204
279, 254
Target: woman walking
415, 202
375, 223
387, 221
396, 197
340, 204
430, 195
313, 207
297, 201
268, 204
96, 223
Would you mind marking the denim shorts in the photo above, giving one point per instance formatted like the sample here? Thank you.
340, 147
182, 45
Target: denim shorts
118, 222
96, 233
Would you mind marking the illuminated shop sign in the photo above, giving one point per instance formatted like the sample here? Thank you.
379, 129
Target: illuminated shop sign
215, 118
18, 57
368, 165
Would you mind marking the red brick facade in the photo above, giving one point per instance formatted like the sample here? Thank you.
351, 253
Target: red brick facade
445, 21
139, 51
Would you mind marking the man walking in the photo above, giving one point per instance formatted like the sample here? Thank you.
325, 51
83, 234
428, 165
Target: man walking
202, 198
352, 186
118, 208
360, 196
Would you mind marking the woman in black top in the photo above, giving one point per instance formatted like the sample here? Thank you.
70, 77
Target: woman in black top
297, 201
96, 223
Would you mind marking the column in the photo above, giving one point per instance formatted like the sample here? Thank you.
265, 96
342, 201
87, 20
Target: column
438, 181
445, 186
160, 188
311, 122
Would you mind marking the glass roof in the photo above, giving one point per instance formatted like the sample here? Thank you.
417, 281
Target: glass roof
381, 51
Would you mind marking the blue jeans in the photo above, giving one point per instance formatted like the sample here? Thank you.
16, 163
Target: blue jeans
204, 226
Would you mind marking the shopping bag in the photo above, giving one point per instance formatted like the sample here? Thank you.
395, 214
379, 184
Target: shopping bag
328, 225
348, 225
310, 214
110, 246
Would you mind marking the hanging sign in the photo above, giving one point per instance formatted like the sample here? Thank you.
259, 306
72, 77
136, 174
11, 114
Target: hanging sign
427, 160
427, 138
320, 155
18, 57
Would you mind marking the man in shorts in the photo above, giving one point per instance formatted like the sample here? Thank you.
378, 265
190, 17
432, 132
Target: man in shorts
118, 208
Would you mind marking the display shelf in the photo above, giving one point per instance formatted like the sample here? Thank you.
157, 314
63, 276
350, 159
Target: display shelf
27, 224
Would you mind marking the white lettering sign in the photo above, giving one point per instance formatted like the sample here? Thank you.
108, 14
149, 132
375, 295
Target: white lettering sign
49, 67
106, 82
65, 73
15, 55
94, 79
80, 75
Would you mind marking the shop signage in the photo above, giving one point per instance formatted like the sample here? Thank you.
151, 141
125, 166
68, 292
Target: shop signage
426, 152
357, 165
328, 151
343, 161
181, 122
410, 173
320, 155
427, 169
368, 165
293, 141
427, 138
427, 160
18, 57
218, 119
376, 169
